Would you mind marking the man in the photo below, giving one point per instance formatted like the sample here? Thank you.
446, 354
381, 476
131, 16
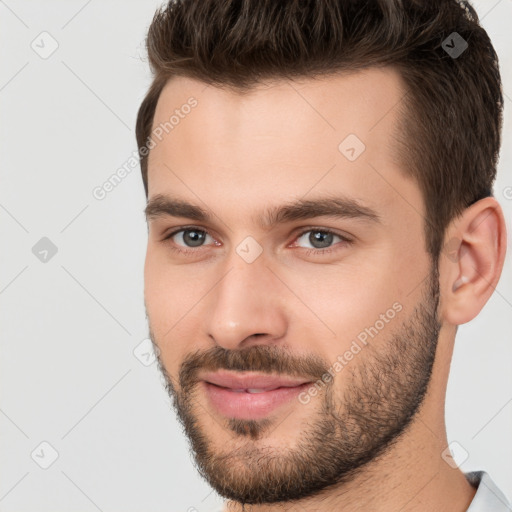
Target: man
321, 219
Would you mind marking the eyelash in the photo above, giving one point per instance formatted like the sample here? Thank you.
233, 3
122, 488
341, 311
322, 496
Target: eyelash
309, 252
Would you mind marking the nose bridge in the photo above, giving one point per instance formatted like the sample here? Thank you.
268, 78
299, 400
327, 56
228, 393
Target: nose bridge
246, 301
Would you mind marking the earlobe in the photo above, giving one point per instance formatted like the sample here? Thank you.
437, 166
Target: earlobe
474, 264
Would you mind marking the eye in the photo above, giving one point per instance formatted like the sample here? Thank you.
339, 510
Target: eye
191, 238
321, 240
188, 240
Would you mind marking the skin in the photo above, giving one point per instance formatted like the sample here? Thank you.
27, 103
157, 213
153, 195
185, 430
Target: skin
237, 155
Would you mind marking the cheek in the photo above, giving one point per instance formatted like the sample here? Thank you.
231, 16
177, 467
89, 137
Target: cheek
350, 295
171, 296
163, 298
154, 287
343, 305
168, 288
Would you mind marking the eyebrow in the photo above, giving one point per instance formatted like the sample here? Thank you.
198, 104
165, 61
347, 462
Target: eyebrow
337, 207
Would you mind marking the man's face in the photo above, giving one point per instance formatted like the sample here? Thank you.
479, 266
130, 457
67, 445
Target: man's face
352, 295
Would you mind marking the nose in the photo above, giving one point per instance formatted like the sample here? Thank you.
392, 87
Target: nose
247, 306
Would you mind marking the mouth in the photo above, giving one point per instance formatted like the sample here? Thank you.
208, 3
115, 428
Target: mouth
250, 403
251, 381
251, 390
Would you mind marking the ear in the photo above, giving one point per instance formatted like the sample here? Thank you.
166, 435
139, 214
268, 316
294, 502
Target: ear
471, 260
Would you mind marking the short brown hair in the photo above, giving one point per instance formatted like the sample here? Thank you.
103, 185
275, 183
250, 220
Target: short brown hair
449, 135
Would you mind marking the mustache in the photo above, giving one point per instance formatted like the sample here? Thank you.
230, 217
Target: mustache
269, 359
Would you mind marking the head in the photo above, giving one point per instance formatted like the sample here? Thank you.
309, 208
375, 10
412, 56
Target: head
266, 125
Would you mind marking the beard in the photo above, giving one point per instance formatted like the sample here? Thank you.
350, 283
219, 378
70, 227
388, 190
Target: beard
384, 388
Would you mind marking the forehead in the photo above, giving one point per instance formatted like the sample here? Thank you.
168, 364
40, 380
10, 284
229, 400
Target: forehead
360, 101
281, 140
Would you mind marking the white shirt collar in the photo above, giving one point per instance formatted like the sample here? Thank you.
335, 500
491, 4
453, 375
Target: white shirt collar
488, 497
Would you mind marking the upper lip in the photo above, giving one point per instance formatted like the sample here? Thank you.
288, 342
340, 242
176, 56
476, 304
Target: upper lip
251, 380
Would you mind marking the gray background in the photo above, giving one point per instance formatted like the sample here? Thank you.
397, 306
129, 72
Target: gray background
70, 324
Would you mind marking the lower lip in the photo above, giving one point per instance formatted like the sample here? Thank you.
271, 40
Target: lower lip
250, 405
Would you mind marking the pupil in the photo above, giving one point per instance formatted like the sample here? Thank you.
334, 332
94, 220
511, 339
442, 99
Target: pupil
194, 237
324, 239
